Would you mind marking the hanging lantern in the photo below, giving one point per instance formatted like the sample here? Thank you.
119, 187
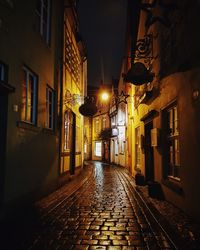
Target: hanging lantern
88, 108
138, 74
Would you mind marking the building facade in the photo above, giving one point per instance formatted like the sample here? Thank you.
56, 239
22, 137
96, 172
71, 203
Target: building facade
72, 93
101, 127
43, 74
165, 113
29, 78
114, 142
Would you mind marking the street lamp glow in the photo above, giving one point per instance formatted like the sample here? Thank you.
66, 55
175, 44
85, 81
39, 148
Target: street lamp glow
104, 96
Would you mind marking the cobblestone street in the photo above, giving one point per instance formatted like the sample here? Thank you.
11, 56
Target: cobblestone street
104, 213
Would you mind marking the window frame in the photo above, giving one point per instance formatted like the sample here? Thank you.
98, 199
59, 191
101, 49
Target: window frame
171, 134
4, 75
33, 114
44, 32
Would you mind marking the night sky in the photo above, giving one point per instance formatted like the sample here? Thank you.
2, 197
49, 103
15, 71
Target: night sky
102, 24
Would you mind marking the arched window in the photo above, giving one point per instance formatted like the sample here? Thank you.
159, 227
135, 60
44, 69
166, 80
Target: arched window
68, 119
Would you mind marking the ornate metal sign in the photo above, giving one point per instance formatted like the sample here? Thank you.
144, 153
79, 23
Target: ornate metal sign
122, 98
144, 48
138, 74
89, 107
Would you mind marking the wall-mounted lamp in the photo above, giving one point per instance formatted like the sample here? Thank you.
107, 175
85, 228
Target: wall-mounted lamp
72, 99
196, 95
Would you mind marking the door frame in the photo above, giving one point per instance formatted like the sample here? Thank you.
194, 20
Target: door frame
149, 152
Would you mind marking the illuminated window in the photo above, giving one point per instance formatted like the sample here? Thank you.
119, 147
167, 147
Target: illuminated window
122, 147
29, 96
113, 121
137, 148
104, 122
121, 115
171, 146
3, 72
67, 130
97, 149
97, 126
85, 148
121, 138
43, 19
50, 99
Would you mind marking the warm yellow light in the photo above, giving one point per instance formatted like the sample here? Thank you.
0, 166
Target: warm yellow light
104, 96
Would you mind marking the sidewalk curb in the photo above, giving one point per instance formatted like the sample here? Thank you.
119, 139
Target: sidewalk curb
171, 230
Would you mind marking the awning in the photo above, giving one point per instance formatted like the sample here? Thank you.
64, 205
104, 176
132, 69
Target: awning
150, 115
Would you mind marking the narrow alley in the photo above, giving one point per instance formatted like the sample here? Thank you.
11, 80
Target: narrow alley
103, 213
99, 124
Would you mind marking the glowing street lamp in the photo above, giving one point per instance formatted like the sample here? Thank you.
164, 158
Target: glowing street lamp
104, 96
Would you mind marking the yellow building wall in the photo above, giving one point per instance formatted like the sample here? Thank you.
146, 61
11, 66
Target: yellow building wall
73, 93
177, 85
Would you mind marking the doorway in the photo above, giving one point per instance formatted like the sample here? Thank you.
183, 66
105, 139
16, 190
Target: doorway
72, 143
149, 158
106, 151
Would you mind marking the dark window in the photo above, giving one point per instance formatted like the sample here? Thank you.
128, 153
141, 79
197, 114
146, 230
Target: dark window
171, 152
44, 19
29, 96
3, 72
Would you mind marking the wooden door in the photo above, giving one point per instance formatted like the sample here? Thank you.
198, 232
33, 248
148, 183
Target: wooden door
149, 158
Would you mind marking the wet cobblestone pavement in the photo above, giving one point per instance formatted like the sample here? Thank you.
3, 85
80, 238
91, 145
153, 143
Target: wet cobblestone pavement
103, 214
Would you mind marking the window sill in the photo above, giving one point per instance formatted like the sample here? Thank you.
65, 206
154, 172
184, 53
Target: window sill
174, 179
6, 88
28, 126
173, 184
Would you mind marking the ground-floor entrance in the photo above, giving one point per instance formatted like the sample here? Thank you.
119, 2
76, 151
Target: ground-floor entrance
149, 158
106, 151
68, 143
